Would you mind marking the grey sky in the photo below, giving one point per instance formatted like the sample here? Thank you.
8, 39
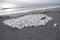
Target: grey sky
33, 1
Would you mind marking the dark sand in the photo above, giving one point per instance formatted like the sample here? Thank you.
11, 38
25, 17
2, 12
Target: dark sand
47, 32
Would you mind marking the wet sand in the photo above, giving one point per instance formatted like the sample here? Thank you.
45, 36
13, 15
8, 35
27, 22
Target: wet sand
47, 32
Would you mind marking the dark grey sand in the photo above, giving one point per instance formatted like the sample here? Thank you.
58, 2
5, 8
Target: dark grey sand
47, 32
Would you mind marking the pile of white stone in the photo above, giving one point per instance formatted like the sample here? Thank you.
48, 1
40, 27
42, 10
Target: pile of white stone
28, 21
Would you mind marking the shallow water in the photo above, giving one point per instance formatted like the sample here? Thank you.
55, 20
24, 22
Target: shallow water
16, 7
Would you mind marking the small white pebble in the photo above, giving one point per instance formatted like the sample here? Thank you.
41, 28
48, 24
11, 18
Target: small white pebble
55, 25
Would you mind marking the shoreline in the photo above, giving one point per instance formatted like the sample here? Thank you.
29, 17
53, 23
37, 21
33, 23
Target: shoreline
41, 10
47, 32
35, 33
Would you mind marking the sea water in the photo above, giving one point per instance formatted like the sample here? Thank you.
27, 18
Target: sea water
18, 7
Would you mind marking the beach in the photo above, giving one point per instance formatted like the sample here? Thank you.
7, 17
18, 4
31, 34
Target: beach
47, 32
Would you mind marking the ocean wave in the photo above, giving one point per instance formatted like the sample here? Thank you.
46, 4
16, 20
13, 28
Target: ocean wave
20, 10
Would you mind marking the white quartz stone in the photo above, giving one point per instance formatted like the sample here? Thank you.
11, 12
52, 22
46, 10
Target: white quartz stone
55, 25
28, 21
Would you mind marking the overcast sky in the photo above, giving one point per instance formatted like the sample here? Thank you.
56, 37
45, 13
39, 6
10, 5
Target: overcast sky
32, 1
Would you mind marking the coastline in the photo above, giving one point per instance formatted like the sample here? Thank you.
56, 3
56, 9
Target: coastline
40, 10
47, 32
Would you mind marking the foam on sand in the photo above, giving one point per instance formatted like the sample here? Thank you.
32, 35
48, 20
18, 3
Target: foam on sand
28, 21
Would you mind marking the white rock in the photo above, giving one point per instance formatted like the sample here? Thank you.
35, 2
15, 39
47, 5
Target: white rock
28, 20
55, 25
